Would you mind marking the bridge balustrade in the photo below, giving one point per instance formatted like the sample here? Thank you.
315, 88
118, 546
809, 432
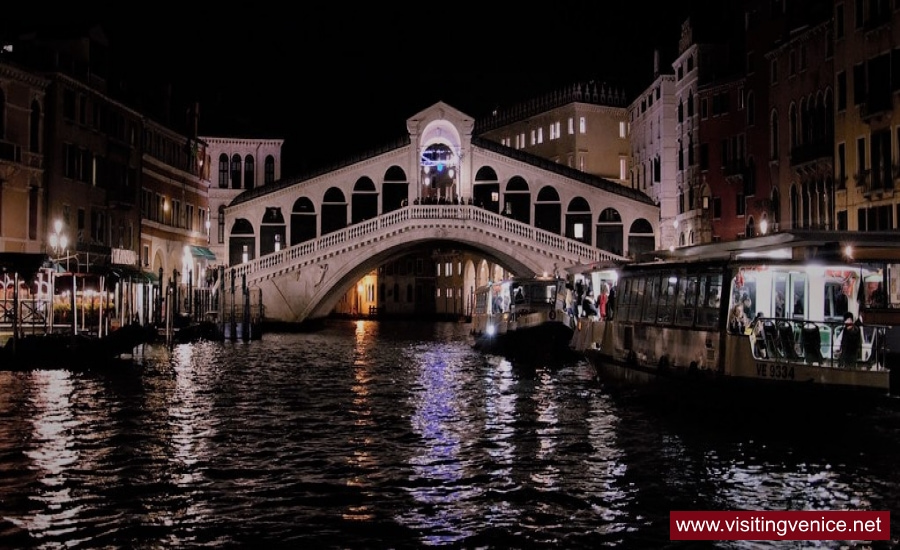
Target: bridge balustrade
308, 252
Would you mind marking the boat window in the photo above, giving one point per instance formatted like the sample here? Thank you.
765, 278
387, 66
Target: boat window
710, 298
797, 303
687, 300
668, 287
651, 300
780, 293
637, 298
836, 303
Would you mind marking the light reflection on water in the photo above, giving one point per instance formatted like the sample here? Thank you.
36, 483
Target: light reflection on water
371, 434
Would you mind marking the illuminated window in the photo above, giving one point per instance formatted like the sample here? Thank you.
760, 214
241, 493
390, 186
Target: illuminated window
582, 125
623, 167
622, 129
571, 125
578, 230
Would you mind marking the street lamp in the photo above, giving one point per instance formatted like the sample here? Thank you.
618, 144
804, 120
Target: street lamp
59, 241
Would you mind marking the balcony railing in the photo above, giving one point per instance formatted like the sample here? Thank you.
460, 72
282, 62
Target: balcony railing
10, 152
812, 151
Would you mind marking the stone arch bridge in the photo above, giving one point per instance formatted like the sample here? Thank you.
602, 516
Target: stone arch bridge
305, 281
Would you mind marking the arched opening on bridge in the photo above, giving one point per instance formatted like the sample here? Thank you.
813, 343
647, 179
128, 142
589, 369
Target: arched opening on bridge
334, 211
242, 242
610, 232
271, 231
440, 173
517, 200
486, 189
364, 205
394, 190
548, 210
641, 238
303, 221
578, 220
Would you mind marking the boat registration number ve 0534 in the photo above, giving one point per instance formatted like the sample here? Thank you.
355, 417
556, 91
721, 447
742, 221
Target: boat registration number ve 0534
775, 370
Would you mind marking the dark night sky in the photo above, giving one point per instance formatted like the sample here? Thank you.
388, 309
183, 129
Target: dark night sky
334, 79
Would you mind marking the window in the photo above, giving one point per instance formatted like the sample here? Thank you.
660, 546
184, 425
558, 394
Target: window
571, 125
533, 137
623, 168
223, 171
145, 255
249, 172
841, 91
270, 169
582, 125
540, 135
842, 166
236, 172
622, 129
839, 21
578, 230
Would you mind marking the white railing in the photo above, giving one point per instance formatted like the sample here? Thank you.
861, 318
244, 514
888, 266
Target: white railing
351, 237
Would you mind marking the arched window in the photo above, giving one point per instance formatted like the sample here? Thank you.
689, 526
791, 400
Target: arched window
249, 175
223, 171
221, 231
751, 109
236, 171
2, 115
34, 141
773, 135
269, 169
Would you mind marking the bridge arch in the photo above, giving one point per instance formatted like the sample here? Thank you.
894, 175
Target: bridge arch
486, 189
548, 210
242, 245
610, 230
364, 200
517, 200
334, 210
578, 220
303, 221
394, 189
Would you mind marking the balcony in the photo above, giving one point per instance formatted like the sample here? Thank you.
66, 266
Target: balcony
10, 152
821, 148
876, 107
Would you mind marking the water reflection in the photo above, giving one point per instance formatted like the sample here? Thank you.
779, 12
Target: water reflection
370, 434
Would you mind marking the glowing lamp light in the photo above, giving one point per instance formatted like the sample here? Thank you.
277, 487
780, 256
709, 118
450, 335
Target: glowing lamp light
764, 226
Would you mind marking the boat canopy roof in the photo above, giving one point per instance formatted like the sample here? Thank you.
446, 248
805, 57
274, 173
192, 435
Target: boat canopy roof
844, 246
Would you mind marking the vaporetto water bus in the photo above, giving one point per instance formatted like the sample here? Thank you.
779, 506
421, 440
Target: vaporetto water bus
790, 311
522, 316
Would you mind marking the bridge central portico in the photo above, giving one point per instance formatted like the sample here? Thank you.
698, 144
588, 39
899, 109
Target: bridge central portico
304, 243
306, 280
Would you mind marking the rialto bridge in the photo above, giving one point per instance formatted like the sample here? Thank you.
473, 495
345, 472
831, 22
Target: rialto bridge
304, 243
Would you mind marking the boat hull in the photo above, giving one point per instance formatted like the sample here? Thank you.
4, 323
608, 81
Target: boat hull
769, 385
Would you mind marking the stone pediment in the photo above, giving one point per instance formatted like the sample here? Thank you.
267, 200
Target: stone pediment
440, 118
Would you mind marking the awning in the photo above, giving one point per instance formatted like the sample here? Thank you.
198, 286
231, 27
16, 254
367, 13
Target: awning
25, 264
203, 253
131, 273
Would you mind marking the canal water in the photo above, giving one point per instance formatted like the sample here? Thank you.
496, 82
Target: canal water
400, 435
